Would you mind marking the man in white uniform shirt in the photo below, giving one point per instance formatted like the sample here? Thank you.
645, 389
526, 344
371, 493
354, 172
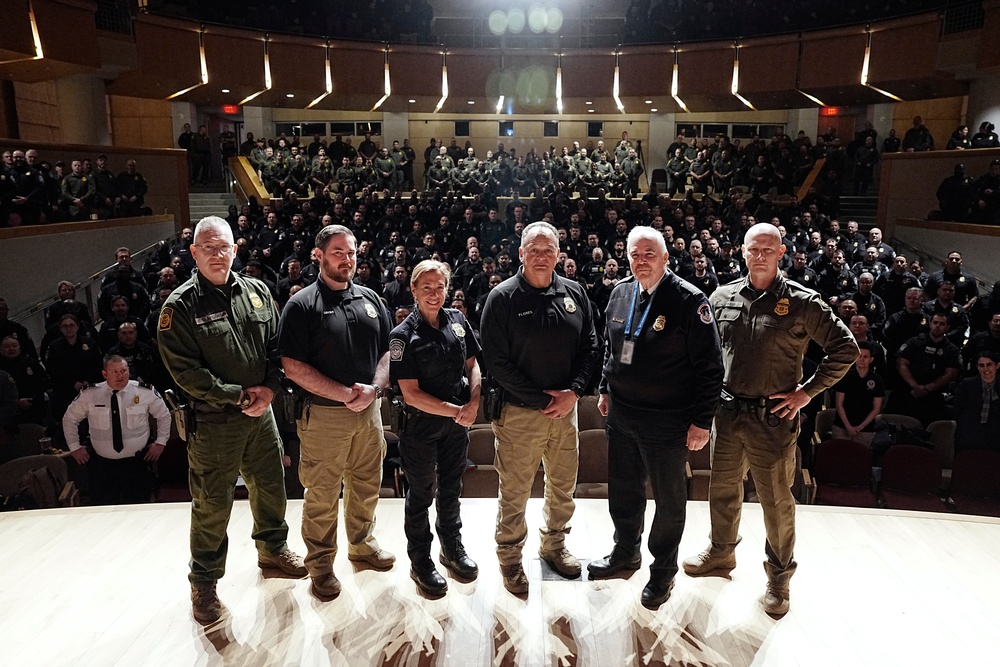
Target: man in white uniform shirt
117, 412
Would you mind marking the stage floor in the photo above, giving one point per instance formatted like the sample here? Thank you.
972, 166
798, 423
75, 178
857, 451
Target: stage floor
101, 587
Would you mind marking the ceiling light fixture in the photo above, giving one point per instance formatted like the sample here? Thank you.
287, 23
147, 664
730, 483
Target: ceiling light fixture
864, 69
329, 80
204, 66
386, 85
559, 102
267, 72
444, 81
615, 87
736, 77
674, 82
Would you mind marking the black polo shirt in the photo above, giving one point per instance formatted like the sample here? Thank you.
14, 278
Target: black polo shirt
435, 357
859, 396
676, 364
537, 339
342, 334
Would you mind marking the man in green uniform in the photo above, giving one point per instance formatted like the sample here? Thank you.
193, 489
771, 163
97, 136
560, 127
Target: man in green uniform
217, 335
765, 323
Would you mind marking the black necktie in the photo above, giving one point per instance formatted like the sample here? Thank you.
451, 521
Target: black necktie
643, 298
116, 423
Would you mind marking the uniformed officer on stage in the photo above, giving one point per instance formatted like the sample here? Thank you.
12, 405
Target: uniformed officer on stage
765, 324
217, 335
334, 343
117, 412
660, 387
540, 348
432, 358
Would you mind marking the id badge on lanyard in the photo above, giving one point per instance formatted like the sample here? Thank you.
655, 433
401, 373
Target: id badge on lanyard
628, 346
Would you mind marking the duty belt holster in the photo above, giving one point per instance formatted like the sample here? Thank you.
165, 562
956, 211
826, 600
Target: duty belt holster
182, 415
493, 401
398, 415
758, 406
292, 400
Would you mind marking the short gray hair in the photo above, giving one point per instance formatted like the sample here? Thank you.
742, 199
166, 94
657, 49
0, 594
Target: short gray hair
215, 223
648, 233
540, 227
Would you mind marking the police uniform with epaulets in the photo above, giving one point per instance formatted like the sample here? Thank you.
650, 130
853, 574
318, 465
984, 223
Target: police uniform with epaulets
217, 341
342, 334
118, 475
436, 357
764, 336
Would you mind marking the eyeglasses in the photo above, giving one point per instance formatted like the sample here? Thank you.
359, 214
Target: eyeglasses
211, 250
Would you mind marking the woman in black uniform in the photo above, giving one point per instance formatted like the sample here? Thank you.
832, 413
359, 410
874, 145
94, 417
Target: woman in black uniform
432, 358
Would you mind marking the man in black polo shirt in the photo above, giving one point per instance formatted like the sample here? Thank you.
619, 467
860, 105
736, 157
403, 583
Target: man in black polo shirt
540, 347
661, 385
333, 339
927, 363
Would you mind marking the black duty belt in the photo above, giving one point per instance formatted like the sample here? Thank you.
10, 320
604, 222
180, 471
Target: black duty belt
325, 402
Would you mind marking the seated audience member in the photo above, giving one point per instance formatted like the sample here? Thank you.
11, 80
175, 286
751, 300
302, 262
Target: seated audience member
123, 257
977, 407
9, 327
31, 379
859, 397
892, 286
117, 412
944, 304
860, 328
983, 341
124, 285
927, 364
107, 336
869, 304
956, 196
966, 288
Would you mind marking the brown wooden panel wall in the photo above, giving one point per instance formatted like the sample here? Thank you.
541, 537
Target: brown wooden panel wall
646, 73
358, 69
588, 75
76, 45
415, 72
768, 67
705, 72
904, 52
297, 65
168, 57
468, 73
833, 61
15, 31
234, 61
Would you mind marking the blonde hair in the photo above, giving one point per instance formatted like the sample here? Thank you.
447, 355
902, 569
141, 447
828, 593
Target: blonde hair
430, 266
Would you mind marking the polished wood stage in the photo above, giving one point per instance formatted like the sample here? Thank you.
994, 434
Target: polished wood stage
101, 587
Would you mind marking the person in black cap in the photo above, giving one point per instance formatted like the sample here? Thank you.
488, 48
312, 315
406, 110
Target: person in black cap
432, 358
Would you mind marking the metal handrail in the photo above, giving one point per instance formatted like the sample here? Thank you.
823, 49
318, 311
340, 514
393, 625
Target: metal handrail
87, 283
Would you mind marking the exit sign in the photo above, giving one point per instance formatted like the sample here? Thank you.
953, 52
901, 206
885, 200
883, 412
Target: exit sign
230, 109
830, 111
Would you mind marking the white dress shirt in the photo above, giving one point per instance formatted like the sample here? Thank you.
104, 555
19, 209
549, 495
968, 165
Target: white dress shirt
135, 404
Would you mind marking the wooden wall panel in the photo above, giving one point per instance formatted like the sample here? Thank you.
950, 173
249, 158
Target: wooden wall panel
904, 52
468, 73
234, 61
768, 67
832, 61
15, 31
588, 75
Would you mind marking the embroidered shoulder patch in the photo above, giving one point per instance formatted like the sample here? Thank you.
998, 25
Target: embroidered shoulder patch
396, 347
705, 313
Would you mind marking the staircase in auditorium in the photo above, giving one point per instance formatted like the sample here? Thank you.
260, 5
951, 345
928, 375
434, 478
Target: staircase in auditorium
210, 203
862, 209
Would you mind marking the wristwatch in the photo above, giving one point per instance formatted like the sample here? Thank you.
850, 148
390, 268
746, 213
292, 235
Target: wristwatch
378, 391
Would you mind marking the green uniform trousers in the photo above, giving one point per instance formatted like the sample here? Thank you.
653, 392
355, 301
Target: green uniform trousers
525, 438
743, 440
218, 453
339, 445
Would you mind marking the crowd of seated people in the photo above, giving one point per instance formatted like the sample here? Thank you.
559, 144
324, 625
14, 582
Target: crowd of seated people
371, 20
34, 191
923, 331
779, 165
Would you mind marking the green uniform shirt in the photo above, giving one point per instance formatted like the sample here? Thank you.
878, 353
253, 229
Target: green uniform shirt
765, 336
215, 345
